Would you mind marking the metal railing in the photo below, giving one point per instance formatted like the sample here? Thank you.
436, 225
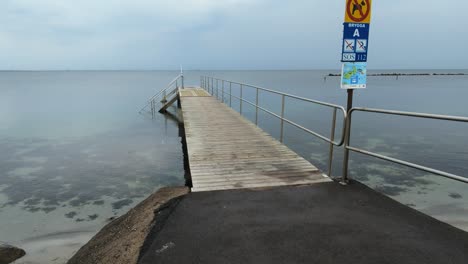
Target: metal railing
212, 85
162, 95
349, 148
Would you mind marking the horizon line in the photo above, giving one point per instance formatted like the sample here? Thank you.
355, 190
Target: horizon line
140, 70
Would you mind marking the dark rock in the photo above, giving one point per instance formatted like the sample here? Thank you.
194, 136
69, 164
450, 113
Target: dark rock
455, 195
99, 202
48, 209
71, 214
93, 217
9, 253
121, 203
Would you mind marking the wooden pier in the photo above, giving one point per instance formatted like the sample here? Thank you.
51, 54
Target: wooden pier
226, 151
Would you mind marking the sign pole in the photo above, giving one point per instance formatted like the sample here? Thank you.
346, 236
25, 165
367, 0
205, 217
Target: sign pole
349, 106
350, 100
354, 58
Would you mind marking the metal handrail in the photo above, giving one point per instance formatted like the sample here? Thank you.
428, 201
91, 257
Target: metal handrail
288, 121
208, 83
394, 160
175, 80
285, 94
167, 87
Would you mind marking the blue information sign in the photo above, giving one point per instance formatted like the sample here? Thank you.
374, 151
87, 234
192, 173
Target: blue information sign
355, 42
354, 75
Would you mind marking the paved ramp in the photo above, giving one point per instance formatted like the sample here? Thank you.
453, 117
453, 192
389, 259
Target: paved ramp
322, 223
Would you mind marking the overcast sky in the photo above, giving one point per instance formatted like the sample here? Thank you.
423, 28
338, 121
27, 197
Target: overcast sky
225, 34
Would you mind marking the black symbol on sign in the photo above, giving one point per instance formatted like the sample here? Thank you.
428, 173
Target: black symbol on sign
361, 45
358, 7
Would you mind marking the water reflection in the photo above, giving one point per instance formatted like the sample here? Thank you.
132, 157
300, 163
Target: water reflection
76, 153
41, 175
70, 183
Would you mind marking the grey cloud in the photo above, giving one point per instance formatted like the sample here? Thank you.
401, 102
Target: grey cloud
224, 34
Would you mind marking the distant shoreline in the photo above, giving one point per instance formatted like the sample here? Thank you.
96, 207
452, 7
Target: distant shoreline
403, 74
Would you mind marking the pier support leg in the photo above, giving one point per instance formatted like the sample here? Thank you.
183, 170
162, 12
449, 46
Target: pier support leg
179, 105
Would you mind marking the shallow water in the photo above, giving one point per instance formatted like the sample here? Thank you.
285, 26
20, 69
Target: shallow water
75, 151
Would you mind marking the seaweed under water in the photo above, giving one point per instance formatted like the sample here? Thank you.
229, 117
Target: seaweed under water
43, 175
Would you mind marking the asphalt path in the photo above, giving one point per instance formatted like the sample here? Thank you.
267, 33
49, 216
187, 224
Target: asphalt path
320, 223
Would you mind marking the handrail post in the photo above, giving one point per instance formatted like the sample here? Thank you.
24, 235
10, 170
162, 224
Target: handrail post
217, 89
182, 80
241, 98
177, 83
282, 118
212, 86
230, 94
222, 91
332, 138
256, 108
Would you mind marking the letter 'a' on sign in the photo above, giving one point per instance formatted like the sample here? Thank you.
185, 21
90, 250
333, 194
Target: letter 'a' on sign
358, 11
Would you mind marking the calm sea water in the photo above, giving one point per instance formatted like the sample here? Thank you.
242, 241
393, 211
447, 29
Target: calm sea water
76, 152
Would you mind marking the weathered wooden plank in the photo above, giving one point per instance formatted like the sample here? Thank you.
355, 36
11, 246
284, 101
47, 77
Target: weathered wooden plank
228, 180
255, 185
228, 162
255, 171
252, 166
167, 104
241, 164
272, 174
253, 177
226, 151
193, 92
234, 156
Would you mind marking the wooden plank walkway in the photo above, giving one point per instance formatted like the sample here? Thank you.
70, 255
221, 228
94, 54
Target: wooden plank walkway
226, 151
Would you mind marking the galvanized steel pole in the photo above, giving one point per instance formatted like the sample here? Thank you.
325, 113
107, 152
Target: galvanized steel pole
282, 118
256, 108
344, 179
241, 88
223, 91
230, 94
332, 138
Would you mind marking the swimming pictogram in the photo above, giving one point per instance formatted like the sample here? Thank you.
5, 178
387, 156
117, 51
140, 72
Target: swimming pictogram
358, 11
361, 45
